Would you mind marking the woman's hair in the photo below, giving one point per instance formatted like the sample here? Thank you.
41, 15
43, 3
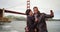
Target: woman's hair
38, 11
27, 11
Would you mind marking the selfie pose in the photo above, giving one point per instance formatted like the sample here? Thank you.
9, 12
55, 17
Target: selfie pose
40, 19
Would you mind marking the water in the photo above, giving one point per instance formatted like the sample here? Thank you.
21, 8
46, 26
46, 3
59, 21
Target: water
18, 26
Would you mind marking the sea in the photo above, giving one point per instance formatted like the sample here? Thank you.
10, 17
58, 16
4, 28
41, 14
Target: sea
19, 26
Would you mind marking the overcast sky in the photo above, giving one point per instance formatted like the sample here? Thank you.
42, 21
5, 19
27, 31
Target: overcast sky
43, 5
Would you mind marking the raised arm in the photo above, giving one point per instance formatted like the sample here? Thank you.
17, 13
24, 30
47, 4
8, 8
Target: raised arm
51, 14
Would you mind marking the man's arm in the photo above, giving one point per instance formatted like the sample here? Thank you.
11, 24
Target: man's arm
51, 14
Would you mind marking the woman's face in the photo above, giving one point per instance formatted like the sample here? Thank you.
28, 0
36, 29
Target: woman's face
30, 13
35, 10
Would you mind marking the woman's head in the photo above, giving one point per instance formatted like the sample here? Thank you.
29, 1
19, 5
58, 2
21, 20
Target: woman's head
29, 12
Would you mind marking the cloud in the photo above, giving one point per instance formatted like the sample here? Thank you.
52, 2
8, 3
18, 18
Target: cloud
11, 3
43, 5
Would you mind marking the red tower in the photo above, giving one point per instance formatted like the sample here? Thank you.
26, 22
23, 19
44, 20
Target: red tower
28, 4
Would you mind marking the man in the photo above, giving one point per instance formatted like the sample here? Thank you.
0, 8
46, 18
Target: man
40, 23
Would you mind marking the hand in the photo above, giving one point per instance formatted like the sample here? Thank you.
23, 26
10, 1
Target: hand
36, 20
26, 29
51, 11
35, 30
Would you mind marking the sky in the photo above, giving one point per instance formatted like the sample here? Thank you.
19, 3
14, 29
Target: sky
44, 6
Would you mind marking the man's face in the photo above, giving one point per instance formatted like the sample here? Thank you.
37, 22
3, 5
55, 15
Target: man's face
35, 10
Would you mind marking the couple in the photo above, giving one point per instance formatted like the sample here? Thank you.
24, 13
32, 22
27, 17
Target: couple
36, 21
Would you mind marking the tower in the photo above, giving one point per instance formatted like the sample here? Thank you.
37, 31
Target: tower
28, 4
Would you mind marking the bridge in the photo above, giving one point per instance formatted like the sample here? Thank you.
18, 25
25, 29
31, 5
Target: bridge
4, 19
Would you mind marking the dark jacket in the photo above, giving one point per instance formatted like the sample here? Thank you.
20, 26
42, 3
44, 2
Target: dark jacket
41, 25
30, 23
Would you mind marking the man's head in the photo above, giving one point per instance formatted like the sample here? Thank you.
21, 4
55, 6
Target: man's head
35, 9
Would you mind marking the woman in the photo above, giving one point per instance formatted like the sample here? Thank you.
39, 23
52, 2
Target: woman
30, 21
40, 20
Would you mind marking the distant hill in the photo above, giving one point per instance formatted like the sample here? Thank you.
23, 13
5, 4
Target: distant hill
53, 19
18, 18
21, 18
